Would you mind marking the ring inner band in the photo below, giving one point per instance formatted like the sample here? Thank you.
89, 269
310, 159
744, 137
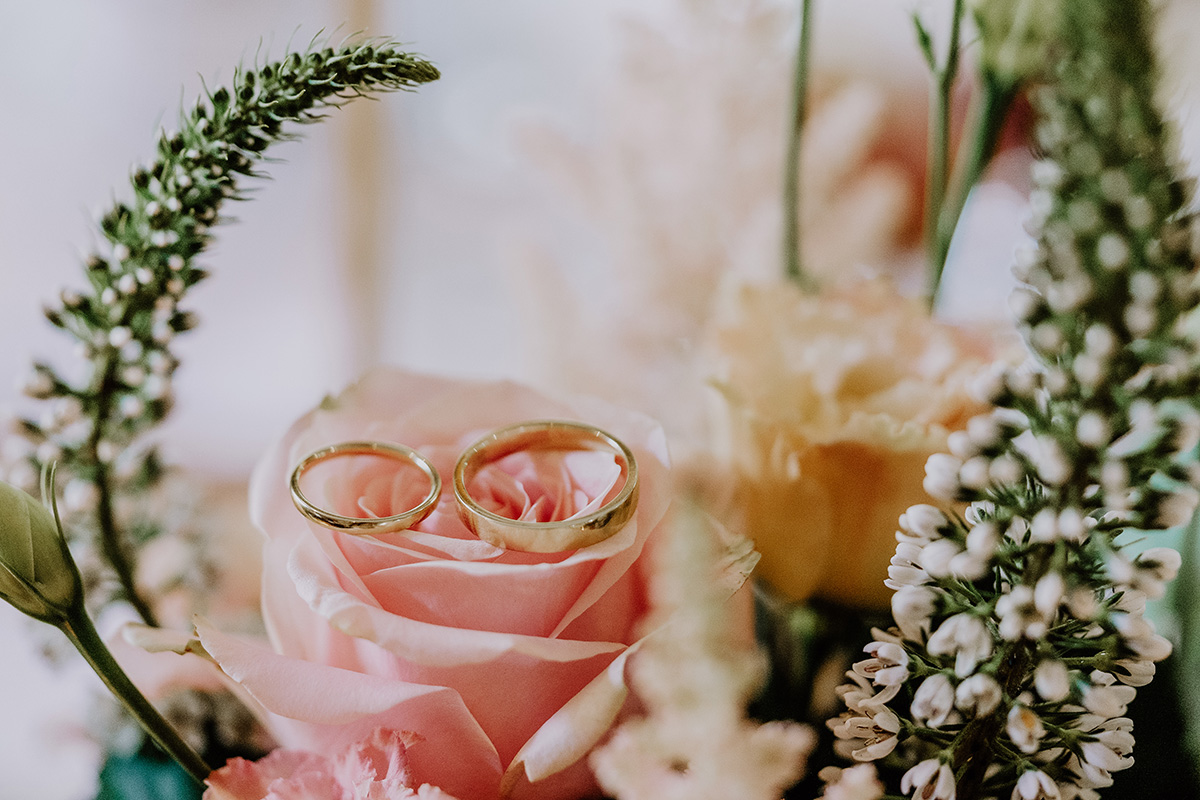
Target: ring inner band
360, 525
545, 537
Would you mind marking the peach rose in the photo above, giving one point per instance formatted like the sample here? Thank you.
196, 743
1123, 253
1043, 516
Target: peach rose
472, 647
375, 767
833, 403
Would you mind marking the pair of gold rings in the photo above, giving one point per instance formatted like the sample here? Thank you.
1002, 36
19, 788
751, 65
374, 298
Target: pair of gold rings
511, 534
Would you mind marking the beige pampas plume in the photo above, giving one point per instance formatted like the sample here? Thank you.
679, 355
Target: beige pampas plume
695, 675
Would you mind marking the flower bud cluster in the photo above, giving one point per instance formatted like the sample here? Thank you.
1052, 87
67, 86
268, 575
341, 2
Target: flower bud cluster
1020, 633
126, 320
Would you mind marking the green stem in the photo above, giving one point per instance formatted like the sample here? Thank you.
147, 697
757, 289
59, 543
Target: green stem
793, 259
79, 629
938, 168
988, 113
977, 742
111, 546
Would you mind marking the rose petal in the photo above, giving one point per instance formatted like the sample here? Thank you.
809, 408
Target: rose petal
574, 729
326, 708
420, 642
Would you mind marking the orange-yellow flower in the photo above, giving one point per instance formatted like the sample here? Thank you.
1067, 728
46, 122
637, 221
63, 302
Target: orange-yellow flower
833, 402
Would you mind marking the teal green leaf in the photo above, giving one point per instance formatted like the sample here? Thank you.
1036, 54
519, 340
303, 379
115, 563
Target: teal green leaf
144, 777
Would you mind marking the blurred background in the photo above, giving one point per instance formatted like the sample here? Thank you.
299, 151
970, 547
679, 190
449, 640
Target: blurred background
397, 232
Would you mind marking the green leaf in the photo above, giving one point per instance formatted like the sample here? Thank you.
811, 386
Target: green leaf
1187, 606
924, 41
145, 777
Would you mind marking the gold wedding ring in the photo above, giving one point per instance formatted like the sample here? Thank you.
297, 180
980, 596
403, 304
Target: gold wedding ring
358, 525
545, 537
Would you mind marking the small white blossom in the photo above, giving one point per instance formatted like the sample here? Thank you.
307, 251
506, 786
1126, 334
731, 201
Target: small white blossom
106, 451
929, 780
988, 385
867, 738
1025, 729
1140, 637
1005, 470
889, 665
1023, 303
120, 336
1108, 701
48, 451
983, 539
1100, 340
1111, 755
1017, 529
131, 406
1089, 369
904, 569
1092, 429
923, 521
37, 384
978, 695
1112, 251
1072, 524
1019, 616
1114, 476
1035, 785
1150, 572
861, 698
968, 567
1140, 319
80, 495
1051, 463
933, 701
1134, 672
1048, 594
855, 783
1052, 680
912, 608
936, 557
975, 472
156, 387
966, 637
1178, 508
1044, 527
960, 445
941, 476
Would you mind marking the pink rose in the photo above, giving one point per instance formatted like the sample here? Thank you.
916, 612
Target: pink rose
375, 767
472, 647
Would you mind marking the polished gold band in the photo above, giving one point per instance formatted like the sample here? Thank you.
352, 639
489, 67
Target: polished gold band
358, 525
544, 537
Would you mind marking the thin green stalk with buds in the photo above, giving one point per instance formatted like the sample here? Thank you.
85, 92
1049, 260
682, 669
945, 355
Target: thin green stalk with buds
125, 321
1020, 634
1005, 63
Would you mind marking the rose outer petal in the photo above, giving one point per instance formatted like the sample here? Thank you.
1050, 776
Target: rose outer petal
326, 708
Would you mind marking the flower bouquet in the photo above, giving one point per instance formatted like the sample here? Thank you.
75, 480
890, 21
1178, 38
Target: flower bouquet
901, 556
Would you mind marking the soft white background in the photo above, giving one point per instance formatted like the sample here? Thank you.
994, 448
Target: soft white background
84, 87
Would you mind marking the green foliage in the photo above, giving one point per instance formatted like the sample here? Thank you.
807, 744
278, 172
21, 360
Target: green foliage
145, 776
125, 321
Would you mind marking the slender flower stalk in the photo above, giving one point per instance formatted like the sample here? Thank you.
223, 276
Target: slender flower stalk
125, 321
39, 578
79, 629
1021, 635
792, 224
988, 112
938, 165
